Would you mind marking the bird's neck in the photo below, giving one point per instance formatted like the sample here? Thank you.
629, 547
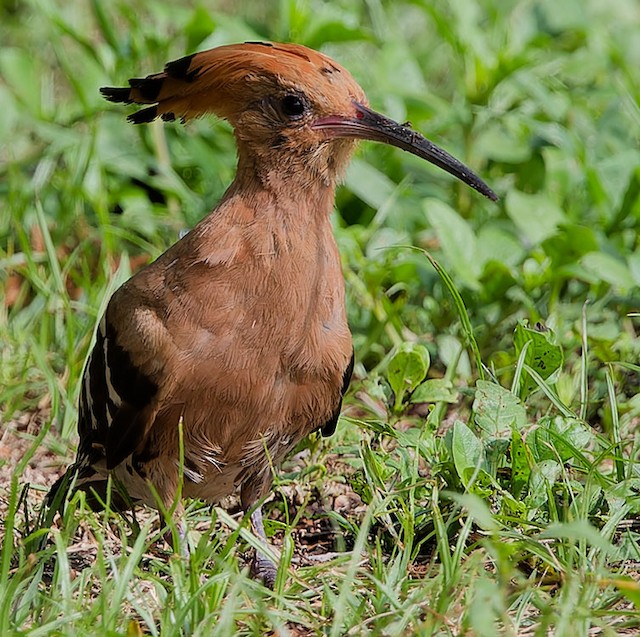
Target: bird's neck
292, 194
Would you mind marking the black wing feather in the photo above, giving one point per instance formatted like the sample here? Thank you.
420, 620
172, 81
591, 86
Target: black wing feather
329, 427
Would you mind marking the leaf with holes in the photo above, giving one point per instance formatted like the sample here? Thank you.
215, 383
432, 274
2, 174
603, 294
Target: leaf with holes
543, 355
497, 410
520, 464
543, 476
435, 390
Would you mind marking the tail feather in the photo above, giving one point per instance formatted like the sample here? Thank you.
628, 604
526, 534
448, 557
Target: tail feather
58, 492
81, 477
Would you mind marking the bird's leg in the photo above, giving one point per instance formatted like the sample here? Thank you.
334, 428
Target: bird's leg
262, 567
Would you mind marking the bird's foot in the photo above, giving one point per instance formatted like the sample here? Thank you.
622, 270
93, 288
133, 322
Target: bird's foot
262, 568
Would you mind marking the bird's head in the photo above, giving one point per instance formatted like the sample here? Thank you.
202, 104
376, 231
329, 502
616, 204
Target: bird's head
294, 110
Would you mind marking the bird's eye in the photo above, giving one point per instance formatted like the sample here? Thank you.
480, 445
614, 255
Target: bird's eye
293, 106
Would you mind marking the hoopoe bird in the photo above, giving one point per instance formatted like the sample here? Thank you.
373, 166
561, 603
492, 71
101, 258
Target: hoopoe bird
237, 333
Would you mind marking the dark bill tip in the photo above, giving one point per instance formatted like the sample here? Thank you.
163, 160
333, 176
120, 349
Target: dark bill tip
369, 125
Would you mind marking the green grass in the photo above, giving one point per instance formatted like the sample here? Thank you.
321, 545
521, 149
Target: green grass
485, 475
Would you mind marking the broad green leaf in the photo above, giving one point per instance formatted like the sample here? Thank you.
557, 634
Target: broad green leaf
457, 240
536, 216
497, 411
543, 355
609, 269
615, 172
559, 438
449, 353
199, 27
333, 31
406, 369
400, 72
368, 183
377, 389
498, 142
626, 492
631, 202
541, 446
578, 530
435, 390
571, 242
467, 452
497, 245
543, 476
497, 280
477, 508
383, 239
20, 71
571, 436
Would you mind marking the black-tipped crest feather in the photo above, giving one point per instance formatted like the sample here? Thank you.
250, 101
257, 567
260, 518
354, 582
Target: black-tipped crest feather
115, 94
144, 116
147, 88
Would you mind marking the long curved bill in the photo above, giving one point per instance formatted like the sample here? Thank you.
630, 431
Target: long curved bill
368, 124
